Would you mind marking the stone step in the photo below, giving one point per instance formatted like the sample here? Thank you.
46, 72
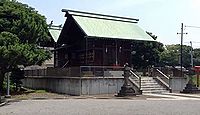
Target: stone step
152, 89
145, 84
149, 78
155, 88
155, 91
151, 86
146, 78
149, 83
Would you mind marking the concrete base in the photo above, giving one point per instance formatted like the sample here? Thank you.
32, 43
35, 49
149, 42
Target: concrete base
2, 101
7, 96
127, 91
177, 84
76, 85
190, 88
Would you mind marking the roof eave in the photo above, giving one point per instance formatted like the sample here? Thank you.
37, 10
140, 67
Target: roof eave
138, 39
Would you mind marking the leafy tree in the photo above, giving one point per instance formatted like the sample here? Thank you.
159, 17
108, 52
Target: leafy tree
171, 55
147, 53
153, 36
196, 57
16, 76
23, 21
22, 29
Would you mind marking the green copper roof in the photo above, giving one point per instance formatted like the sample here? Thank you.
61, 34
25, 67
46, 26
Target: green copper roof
100, 27
55, 33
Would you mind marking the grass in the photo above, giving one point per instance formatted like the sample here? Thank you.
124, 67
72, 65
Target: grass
36, 94
40, 91
194, 79
27, 91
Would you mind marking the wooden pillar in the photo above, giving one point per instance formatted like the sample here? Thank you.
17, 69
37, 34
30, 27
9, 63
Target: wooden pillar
197, 79
116, 53
86, 50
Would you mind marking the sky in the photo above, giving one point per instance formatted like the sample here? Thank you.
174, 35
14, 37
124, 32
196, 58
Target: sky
161, 17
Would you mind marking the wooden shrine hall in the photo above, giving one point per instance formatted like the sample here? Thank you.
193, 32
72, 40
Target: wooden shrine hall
96, 40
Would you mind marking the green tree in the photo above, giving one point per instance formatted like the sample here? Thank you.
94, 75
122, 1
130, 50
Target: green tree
152, 35
171, 55
196, 57
147, 53
22, 29
16, 76
23, 21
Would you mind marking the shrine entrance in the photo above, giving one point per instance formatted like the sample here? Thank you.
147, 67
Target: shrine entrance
110, 55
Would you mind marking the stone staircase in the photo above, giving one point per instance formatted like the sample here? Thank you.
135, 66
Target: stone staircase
150, 85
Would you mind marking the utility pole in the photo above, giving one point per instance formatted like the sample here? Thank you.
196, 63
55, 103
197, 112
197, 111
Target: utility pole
8, 85
181, 48
192, 62
191, 55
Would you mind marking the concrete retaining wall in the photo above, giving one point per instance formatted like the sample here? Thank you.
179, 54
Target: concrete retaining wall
100, 86
177, 84
76, 85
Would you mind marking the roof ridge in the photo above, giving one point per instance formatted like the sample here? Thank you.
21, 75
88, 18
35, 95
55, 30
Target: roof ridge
99, 16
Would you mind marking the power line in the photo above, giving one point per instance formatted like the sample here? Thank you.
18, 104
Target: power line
193, 42
193, 26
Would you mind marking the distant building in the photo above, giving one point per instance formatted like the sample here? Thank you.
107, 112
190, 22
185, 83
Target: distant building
96, 40
54, 33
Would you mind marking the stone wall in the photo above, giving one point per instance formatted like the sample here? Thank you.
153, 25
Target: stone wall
177, 84
101, 85
75, 85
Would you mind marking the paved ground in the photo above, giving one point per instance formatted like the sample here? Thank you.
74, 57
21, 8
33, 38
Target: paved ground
102, 107
158, 105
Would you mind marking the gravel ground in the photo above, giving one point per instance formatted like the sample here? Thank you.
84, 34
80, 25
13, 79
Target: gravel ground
45, 103
48, 95
38, 95
101, 107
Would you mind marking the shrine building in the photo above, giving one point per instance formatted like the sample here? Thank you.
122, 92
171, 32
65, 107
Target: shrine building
96, 40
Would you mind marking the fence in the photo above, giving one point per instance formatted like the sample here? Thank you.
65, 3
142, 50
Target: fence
82, 71
48, 72
170, 78
101, 71
136, 79
83, 80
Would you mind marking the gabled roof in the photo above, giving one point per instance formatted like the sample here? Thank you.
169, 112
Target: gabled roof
55, 32
105, 26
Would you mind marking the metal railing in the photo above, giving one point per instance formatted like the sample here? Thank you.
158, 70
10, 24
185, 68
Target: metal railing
162, 78
82, 71
101, 71
134, 78
53, 72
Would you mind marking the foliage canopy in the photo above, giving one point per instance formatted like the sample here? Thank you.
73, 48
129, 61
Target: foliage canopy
171, 55
147, 53
23, 21
22, 30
